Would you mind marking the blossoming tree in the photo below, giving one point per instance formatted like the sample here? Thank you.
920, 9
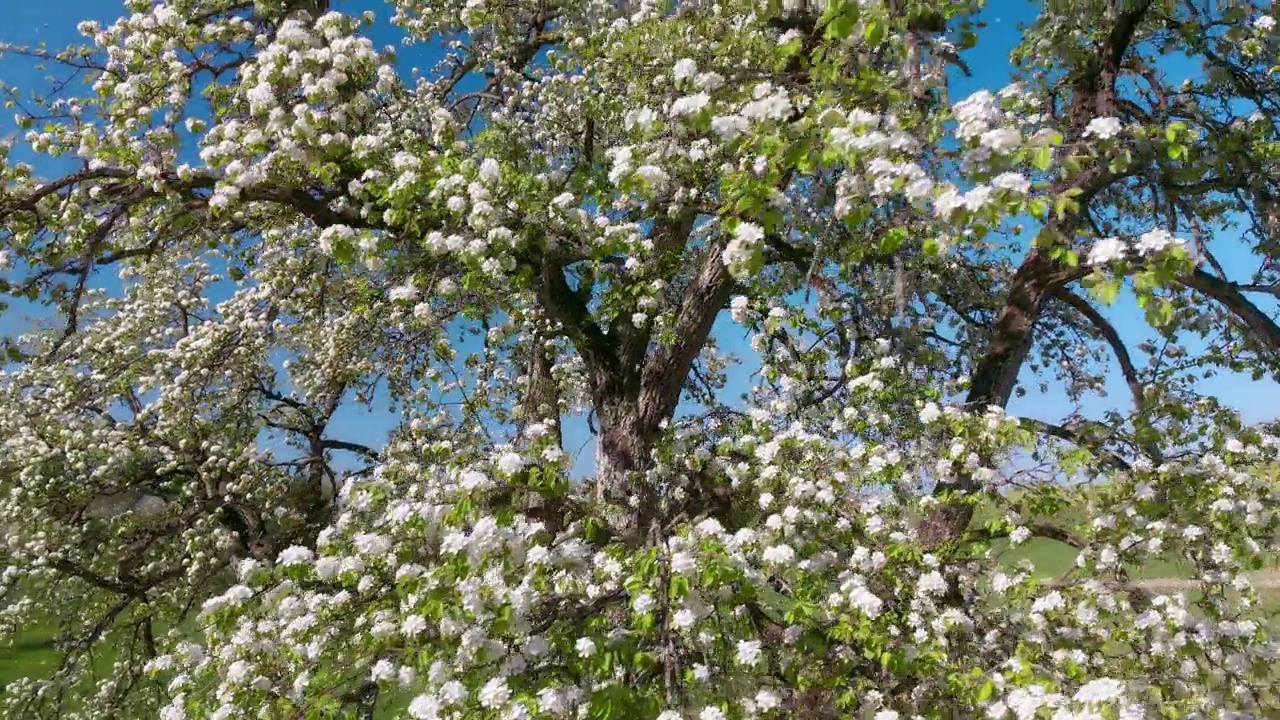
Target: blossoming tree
266, 221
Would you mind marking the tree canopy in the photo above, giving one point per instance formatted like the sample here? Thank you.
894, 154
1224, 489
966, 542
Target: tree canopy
264, 218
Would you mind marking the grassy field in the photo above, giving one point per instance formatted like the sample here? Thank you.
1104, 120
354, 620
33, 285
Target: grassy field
1053, 559
32, 654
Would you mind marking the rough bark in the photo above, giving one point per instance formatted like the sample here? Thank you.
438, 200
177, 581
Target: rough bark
541, 401
997, 371
635, 401
624, 442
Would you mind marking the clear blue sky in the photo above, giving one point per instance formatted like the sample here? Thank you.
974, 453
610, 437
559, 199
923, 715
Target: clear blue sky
54, 23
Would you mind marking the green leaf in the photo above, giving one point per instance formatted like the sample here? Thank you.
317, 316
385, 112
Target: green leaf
679, 586
1106, 290
841, 26
893, 240
874, 32
1042, 157
1159, 312
344, 253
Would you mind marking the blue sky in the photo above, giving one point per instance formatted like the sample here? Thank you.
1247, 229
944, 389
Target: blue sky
54, 23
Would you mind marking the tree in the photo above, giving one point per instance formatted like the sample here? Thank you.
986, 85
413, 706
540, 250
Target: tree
583, 190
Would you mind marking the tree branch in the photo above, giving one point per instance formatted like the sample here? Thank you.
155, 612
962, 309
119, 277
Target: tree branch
1229, 295
1077, 433
663, 374
1037, 529
1108, 332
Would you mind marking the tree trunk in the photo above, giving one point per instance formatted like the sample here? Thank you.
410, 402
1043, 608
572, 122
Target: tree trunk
635, 387
542, 395
623, 450
624, 447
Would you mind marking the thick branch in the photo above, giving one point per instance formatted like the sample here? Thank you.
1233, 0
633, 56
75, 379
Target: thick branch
663, 374
1037, 529
997, 372
570, 310
1079, 434
366, 451
1108, 332
1230, 295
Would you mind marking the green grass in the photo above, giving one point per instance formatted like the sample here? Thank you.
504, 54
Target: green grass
31, 655
1054, 559
34, 654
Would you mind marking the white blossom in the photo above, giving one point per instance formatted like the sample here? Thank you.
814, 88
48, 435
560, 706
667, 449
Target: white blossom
1104, 128
1106, 250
